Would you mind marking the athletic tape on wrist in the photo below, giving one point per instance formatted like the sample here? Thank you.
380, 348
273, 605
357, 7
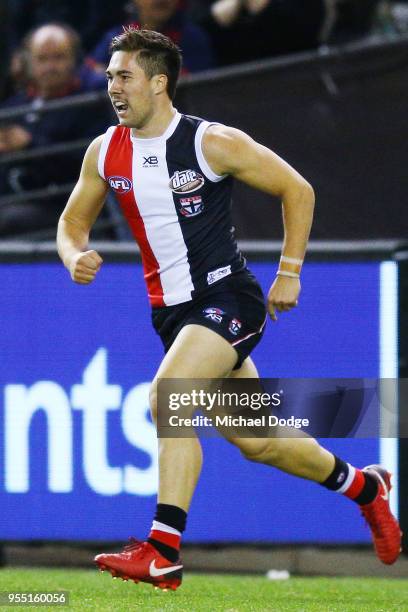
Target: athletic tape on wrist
291, 260
288, 274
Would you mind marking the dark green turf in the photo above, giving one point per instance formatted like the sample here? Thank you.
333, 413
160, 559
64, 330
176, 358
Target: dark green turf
90, 590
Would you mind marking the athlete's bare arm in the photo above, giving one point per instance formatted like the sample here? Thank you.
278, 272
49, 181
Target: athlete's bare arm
78, 217
230, 151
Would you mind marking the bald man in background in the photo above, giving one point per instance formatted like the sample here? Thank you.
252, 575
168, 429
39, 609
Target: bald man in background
52, 53
54, 71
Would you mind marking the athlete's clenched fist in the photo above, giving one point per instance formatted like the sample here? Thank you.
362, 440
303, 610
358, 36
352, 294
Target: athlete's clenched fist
83, 267
283, 295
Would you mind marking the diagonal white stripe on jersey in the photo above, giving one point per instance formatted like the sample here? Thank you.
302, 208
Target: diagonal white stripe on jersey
163, 231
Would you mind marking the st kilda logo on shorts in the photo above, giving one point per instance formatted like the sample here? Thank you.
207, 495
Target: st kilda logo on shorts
120, 184
234, 327
186, 181
190, 207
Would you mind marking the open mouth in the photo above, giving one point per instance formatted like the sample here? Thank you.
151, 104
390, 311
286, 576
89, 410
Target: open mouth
120, 107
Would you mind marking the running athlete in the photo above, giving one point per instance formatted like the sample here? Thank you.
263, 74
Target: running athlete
172, 175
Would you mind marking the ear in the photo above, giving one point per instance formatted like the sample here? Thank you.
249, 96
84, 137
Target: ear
159, 83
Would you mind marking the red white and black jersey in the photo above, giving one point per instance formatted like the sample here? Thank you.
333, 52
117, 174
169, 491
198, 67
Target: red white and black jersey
178, 209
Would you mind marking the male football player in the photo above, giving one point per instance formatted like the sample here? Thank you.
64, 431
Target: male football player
173, 175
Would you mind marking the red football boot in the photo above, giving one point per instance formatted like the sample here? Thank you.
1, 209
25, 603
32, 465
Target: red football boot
385, 529
141, 562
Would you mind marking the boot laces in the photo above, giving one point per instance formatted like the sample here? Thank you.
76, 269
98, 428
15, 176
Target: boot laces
133, 544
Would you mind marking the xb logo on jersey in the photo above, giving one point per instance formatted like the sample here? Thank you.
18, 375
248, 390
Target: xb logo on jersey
120, 184
150, 162
186, 181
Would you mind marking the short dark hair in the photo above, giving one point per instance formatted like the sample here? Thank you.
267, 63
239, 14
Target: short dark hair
156, 53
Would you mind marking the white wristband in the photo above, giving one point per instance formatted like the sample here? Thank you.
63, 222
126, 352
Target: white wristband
289, 274
291, 260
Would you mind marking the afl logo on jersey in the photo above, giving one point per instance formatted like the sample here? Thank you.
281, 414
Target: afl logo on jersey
120, 184
190, 207
186, 181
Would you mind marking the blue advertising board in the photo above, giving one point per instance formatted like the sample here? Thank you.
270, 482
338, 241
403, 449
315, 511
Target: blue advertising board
78, 449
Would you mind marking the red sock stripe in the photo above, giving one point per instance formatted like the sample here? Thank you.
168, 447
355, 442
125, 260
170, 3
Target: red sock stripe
166, 538
356, 486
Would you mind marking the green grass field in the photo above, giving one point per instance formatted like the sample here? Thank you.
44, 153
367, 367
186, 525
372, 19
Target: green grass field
90, 590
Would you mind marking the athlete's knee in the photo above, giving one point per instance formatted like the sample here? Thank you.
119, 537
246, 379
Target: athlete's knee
260, 451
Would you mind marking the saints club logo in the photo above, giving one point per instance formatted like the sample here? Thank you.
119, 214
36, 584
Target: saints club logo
234, 327
186, 181
190, 207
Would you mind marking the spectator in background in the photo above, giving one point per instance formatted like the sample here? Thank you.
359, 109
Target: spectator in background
52, 54
168, 17
245, 30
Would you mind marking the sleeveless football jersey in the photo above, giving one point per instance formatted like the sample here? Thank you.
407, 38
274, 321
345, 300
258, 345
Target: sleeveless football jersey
178, 209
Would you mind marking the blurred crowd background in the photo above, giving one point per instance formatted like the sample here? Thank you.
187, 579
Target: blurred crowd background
51, 49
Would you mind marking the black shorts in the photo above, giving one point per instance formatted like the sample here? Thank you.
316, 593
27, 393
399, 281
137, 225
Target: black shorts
234, 308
